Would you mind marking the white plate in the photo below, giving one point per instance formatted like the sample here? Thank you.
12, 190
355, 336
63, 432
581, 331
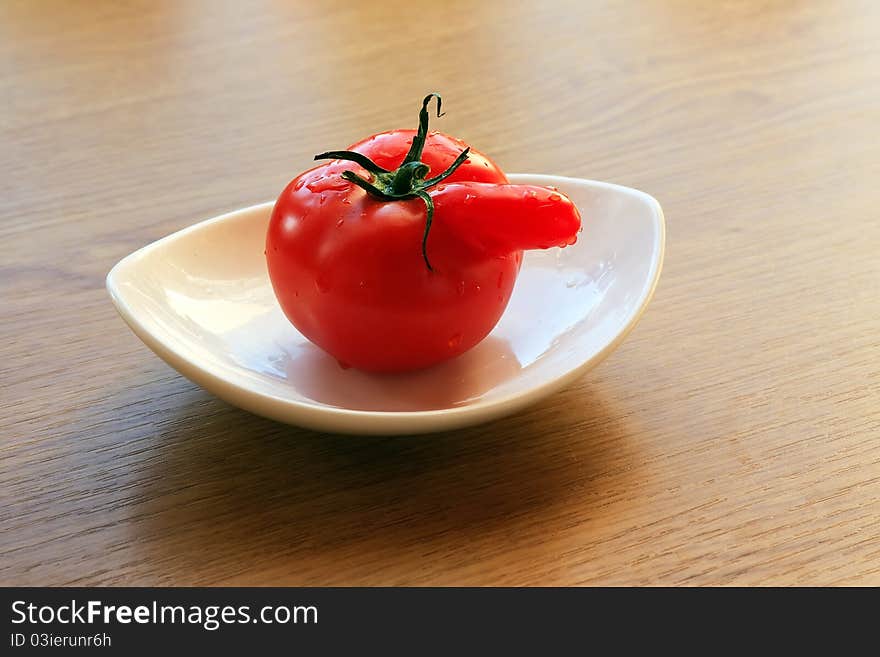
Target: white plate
201, 299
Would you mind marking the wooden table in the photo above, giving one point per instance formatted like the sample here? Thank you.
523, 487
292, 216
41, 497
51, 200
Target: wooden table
733, 439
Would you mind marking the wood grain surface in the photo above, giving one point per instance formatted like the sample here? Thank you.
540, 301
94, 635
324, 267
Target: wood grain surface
733, 439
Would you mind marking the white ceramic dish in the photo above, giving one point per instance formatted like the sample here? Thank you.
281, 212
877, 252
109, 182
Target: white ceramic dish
201, 299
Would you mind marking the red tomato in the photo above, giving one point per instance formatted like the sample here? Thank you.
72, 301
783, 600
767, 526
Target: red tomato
387, 270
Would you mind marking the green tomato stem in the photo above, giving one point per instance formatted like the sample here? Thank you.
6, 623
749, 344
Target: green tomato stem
408, 180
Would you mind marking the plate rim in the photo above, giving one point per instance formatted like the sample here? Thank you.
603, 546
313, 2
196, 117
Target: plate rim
336, 418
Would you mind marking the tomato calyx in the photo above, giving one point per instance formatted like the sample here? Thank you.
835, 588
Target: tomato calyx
406, 182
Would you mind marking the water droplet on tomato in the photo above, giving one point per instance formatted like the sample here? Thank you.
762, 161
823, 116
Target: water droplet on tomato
477, 288
339, 223
440, 188
455, 340
346, 200
321, 199
469, 197
461, 287
329, 184
322, 284
298, 184
555, 197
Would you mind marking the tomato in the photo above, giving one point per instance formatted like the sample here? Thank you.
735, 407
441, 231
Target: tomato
402, 251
